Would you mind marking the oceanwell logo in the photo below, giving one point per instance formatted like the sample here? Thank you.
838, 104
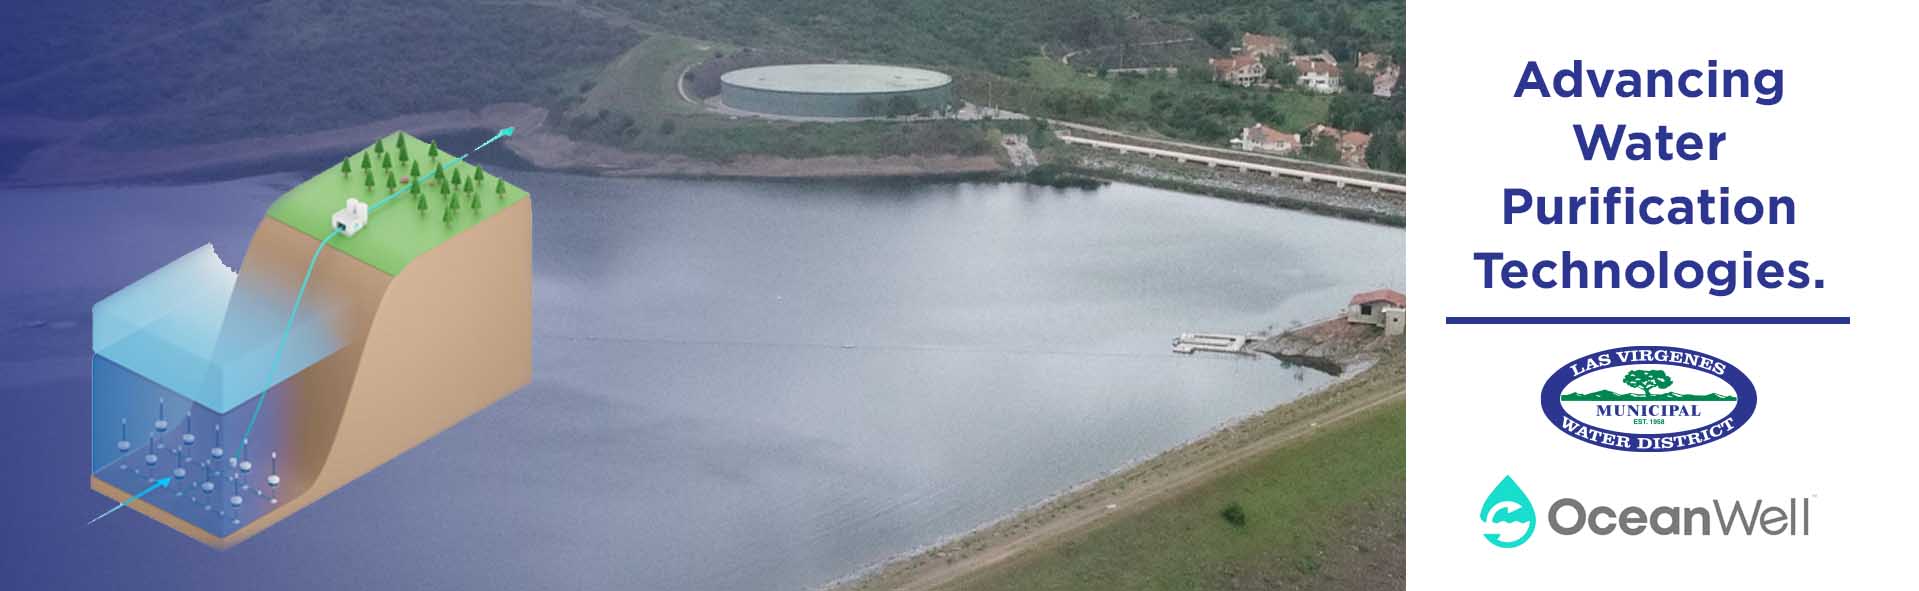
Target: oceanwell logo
1507, 515
1507, 518
1648, 398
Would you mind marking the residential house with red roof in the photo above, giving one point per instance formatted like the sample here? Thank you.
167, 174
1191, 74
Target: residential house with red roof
1261, 138
1242, 69
1258, 45
1384, 308
1319, 72
1352, 144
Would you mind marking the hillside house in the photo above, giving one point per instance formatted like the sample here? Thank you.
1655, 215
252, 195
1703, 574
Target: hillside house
1241, 69
1352, 144
1258, 45
1385, 74
1384, 308
1385, 82
1261, 138
1368, 63
1319, 72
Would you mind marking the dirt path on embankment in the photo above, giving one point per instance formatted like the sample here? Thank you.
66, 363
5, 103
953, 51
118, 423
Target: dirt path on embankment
1141, 487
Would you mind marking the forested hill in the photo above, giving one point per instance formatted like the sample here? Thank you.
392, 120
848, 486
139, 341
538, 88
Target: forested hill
191, 71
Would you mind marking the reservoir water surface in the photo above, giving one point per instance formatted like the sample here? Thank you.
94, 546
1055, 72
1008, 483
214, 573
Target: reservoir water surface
737, 385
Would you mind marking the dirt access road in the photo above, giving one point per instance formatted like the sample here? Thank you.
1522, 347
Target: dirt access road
1139, 488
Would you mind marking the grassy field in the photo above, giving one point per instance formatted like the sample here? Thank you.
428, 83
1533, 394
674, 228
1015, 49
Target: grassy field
400, 231
643, 82
1312, 511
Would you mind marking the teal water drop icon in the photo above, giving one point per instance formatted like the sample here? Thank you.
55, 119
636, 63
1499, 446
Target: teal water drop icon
1507, 515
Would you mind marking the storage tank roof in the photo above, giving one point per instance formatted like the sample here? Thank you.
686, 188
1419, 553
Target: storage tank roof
836, 78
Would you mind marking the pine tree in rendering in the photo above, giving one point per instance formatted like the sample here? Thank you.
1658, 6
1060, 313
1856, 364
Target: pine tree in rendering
433, 150
448, 216
379, 146
452, 202
346, 167
366, 161
390, 184
401, 144
369, 180
419, 202
414, 171
474, 202
499, 188
386, 161
479, 174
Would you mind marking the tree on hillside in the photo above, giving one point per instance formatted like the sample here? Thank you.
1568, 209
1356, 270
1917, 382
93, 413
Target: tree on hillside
1364, 112
390, 183
456, 177
1216, 33
386, 161
499, 188
448, 216
452, 202
479, 174
433, 150
1647, 379
379, 146
1323, 149
1281, 70
346, 167
901, 105
1385, 151
413, 172
366, 161
473, 202
369, 180
401, 145
1259, 19
419, 202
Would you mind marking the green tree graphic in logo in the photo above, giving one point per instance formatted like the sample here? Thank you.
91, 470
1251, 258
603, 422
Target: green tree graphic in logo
1647, 379
1507, 515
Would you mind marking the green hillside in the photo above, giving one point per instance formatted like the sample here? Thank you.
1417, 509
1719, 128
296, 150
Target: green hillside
1611, 396
401, 230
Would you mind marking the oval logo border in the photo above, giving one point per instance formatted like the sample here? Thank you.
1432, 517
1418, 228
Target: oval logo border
1741, 412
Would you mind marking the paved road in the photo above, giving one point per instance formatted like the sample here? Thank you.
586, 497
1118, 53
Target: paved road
1242, 165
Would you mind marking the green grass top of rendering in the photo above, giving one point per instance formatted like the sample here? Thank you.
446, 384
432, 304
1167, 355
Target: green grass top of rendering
401, 229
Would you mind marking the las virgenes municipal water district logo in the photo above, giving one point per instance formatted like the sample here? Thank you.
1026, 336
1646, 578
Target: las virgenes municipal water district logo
1648, 398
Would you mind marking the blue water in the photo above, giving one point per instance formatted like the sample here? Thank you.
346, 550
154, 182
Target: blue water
736, 385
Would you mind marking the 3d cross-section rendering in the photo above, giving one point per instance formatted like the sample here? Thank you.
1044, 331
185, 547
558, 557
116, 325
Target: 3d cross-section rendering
380, 302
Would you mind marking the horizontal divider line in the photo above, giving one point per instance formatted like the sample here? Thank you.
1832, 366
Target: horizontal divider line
1648, 320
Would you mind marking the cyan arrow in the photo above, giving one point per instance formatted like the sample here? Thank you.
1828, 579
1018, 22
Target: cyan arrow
156, 486
274, 366
429, 174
